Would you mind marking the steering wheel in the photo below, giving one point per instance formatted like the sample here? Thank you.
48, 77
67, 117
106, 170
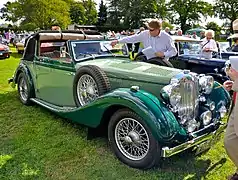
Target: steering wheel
155, 60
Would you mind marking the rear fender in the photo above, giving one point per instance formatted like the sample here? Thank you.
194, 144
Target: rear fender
22, 68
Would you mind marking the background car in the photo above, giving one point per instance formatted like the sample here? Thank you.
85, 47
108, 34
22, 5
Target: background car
189, 57
147, 111
4, 51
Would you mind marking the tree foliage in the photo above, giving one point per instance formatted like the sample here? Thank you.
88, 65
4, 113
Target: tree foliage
91, 12
102, 14
227, 9
77, 13
43, 13
132, 13
188, 12
28, 12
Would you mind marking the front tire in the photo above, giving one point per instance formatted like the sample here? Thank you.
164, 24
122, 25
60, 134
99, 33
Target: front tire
24, 89
132, 141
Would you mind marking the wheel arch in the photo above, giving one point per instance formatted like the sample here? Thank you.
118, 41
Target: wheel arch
103, 126
22, 68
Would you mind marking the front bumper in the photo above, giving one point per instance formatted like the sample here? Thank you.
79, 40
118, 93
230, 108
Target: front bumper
206, 139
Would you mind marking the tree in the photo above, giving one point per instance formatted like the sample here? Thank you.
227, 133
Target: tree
213, 26
188, 12
90, 11
167, 24
227, 9
28, 11
102, 14
114, 13
132, 13
77, 13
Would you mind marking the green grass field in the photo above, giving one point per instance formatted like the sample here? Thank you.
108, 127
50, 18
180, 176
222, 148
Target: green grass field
35, 144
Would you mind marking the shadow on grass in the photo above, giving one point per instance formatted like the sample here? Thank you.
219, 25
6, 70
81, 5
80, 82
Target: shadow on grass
16, 55
186, 163
181, 166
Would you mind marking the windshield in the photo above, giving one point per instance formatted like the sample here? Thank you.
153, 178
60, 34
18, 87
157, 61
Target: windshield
84, 49
189, 48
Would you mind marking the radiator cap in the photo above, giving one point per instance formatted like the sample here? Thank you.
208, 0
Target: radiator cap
135, 88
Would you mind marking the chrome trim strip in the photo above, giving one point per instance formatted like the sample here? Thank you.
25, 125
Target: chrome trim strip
167, 152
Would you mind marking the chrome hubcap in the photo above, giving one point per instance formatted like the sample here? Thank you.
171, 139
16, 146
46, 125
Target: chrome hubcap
23, 89
132, 139
87, 89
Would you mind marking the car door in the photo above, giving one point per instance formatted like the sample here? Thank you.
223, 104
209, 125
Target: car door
54, 76
62, 76
43, 78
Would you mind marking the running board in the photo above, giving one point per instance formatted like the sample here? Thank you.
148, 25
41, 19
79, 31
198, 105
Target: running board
52, 107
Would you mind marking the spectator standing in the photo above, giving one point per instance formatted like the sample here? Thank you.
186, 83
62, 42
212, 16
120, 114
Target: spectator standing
208, 45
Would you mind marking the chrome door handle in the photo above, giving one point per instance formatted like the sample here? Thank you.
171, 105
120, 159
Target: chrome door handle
70, 73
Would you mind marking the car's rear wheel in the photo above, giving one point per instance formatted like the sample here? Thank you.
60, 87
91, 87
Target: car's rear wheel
90, 82
132, 141
24, 89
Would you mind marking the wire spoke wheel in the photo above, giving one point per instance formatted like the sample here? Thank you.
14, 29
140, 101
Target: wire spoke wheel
132, 139
23, 90
87, 90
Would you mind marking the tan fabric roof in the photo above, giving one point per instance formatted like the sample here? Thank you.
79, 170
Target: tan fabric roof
68, 36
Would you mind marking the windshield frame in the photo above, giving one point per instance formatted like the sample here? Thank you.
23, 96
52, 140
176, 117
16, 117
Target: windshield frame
70, 44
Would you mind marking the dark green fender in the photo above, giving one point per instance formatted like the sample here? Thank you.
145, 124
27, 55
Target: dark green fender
159, 119
22, 68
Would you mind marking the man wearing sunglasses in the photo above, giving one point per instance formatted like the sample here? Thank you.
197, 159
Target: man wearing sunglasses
160, 41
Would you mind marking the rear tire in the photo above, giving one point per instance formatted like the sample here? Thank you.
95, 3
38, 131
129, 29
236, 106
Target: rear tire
24, 89
132, 141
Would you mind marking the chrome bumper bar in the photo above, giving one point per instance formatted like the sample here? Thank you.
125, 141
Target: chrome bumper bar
167, 152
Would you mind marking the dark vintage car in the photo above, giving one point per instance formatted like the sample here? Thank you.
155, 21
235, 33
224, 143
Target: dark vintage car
189, 57
148, 111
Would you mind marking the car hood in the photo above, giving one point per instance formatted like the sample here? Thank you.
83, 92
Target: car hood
122, 68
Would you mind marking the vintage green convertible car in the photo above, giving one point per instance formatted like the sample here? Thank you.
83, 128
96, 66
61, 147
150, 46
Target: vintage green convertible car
148, 111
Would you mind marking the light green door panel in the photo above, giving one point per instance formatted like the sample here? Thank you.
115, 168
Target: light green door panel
62, 87
55, 81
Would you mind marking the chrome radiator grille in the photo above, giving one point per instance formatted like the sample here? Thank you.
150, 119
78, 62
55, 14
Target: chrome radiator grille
189, 100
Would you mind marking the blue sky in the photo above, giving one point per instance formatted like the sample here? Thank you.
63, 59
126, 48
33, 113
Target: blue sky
218, 21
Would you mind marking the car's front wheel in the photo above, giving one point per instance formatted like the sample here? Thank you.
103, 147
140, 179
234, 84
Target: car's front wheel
132, 141
24, 89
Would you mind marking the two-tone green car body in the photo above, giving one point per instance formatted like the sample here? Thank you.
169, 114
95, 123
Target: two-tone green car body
148, 111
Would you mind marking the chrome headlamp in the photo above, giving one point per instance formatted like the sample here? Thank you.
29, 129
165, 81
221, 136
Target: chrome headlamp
206, 83
206, 117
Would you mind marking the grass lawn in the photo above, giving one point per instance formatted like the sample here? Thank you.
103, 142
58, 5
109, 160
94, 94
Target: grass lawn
35, 144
